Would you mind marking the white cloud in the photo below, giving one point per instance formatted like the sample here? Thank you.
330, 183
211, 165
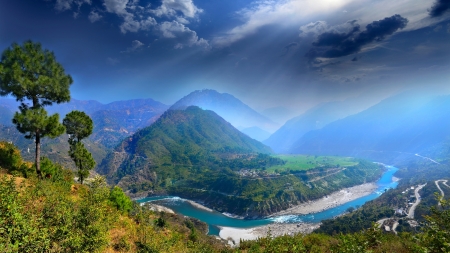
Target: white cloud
124, 9
171, 7
184, 35
291, 12
313, 29
116, 6
94, 16
131, 25
282, 12
135, 45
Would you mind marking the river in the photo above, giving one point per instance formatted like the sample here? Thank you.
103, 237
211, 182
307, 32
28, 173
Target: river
214, 219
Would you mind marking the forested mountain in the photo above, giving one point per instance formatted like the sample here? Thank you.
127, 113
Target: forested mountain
180, 137
55, 149
112, 122
397, 125
228, 107
195, 154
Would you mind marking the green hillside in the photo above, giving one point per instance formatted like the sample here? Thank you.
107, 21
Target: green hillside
195, 154
180, 139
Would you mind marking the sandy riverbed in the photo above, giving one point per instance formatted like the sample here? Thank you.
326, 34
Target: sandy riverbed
234, 235
278, 229
335, 199
199, 206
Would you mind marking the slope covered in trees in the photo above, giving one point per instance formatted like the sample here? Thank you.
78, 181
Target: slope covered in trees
195, 154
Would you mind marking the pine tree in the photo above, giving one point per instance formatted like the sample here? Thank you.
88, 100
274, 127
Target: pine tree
33, 76
79, 126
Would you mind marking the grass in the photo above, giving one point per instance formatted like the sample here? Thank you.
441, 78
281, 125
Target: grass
306, 162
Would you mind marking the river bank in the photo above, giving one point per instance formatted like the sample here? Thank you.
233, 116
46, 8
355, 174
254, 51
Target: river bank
278, 229
335, 199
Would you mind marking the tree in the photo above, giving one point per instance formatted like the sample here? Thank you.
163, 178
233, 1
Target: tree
83, 160
79, 126
33, 76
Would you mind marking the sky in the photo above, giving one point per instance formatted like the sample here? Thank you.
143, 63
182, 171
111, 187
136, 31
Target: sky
292, 54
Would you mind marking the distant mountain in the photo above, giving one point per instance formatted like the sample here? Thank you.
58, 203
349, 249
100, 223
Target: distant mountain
87, 106
256, 133
228, 107
118, 120
6, 115
112, 122
399, 125
56, 149
313, 119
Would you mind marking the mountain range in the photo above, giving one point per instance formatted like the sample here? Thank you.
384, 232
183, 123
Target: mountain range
404, 123
228, 107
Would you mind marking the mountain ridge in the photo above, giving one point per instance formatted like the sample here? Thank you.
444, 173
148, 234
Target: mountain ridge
228, 107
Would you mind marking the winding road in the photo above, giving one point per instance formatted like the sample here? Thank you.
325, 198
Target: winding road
413, 207
444, 182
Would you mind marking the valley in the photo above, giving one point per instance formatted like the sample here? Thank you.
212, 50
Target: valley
214, 169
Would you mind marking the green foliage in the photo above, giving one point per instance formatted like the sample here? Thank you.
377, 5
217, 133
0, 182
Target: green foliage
78, 125
160, 222
10, 158
31, 73
44, 218
436, 237
119, 200
83, 159
35, 121
56, 173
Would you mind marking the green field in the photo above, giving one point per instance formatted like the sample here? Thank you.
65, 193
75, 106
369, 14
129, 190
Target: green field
306, 162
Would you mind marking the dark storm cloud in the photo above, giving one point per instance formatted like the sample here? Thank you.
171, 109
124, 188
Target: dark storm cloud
335, 44
439, 8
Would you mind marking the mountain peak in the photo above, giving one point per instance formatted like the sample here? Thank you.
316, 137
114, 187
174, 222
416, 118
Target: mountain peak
228, 107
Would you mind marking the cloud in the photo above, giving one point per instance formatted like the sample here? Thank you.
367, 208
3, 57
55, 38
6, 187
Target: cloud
334, 44
116, 6
131, 25
171, 8
439, 8
94, 17
135, 45
284, 12
313, 29
63, 5
184, 35
131, 22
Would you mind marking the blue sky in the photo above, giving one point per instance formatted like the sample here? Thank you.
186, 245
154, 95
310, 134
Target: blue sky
290, 53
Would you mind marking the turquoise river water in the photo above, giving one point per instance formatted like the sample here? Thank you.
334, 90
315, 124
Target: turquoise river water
214, 219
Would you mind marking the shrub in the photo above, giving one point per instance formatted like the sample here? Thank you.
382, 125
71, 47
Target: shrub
119, 200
